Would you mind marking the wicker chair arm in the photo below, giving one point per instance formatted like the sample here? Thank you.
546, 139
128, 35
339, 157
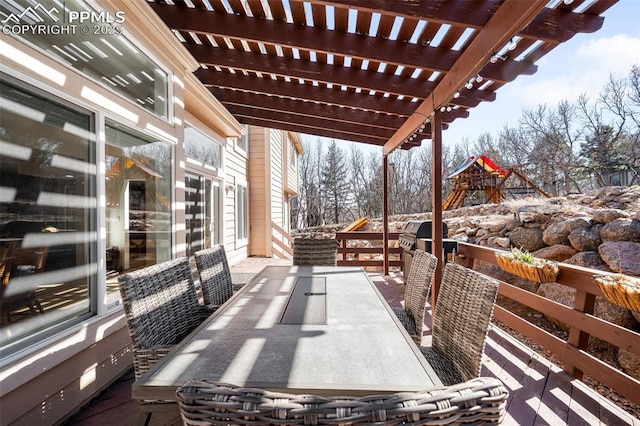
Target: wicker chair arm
479, 400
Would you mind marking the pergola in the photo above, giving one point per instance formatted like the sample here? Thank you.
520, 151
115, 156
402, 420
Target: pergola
381, 72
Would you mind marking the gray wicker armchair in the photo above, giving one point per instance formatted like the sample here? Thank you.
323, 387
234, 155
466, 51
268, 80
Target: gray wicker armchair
478, 401
423, 268
315, 251
161, 307
215, 276
462, 315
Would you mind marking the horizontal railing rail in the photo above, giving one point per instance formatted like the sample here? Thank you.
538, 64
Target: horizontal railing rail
579, 318
349, 254
281, 242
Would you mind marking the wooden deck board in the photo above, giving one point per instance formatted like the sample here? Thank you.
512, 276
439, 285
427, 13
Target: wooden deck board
540, 392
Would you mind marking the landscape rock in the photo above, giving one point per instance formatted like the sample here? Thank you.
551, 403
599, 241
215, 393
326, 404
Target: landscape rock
529, 239
621, 229
608, 215
557, 252
558, 232
587, 259
621, 256
585, 239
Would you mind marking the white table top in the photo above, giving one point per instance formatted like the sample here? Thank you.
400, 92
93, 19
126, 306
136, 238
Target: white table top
337, 336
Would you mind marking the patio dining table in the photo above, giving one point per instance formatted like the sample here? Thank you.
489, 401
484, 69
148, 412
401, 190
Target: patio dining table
305, 329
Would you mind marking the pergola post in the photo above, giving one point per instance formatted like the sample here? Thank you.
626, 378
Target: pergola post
385, 218
436, 202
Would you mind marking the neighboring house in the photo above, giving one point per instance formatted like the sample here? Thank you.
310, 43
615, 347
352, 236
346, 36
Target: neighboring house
113, 156
273, 178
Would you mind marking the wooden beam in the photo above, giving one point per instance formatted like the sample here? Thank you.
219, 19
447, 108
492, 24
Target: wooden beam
353, 116
319, 40
510, 18
294, 90
311, 122
555, 25
327, 133
311, 71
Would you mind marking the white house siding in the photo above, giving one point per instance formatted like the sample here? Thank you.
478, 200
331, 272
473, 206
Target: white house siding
235, 169
277, 177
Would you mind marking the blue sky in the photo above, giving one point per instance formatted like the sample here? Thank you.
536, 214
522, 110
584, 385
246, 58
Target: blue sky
581, 65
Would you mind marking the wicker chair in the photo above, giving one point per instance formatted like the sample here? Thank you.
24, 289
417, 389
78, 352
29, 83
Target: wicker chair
215, 276
313, 251
423, 268
462, 315
478, 401
161, 307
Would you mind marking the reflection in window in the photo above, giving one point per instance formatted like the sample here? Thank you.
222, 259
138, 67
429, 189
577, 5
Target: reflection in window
138, 197
103, 53
48, 234
244, 138
202, 212
201, 148
242, 214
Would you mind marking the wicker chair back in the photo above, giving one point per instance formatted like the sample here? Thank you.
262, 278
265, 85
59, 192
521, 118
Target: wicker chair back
215, 275
423, 268
315, 251
161, 307
479, 401
463, 313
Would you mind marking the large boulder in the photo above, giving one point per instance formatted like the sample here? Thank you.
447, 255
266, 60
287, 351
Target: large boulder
621, 229
608, 215
587, 259
558, 232
621, 256
529, 239
557, 252
586, 239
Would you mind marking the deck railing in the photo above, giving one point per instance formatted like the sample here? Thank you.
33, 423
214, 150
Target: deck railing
579, 319
351, 255
582, 324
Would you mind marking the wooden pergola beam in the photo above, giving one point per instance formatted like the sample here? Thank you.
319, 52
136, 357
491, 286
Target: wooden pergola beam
510, 18
356, 46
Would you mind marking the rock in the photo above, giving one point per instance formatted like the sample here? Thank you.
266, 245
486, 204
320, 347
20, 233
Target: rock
557, 252
529, 239
587, 259
608, 215
585, 239
629, 362
558, 232
621, 229
621, 256
502, 242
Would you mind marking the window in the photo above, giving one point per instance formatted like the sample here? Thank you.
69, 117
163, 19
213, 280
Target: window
48, 231
201, 148
138, 194
243, 140
202, 205
291, 153
103, 53
242, 213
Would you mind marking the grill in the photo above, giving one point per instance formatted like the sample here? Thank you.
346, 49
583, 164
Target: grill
409, 238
